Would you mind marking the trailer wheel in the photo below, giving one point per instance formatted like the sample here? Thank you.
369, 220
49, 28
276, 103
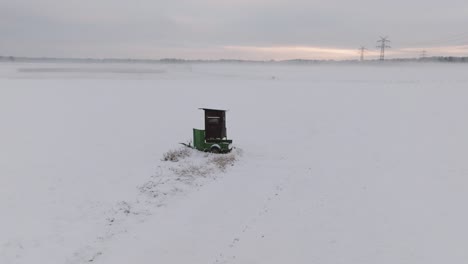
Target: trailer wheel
215, 149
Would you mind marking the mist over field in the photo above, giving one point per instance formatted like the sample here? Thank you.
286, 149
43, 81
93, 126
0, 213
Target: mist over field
332, 164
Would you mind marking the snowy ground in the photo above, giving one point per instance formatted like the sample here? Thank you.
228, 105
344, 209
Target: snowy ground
334, 164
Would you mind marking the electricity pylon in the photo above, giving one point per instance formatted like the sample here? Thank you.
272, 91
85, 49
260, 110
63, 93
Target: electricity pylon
362, 50
423, 54
383, 44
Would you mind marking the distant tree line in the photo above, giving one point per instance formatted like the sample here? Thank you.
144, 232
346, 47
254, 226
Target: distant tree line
9, 58
443, 59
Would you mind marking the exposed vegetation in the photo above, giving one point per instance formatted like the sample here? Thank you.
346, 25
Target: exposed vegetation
176, 154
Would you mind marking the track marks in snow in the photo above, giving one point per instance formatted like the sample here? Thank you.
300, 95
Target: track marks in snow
171, 179
228, 255
12, 251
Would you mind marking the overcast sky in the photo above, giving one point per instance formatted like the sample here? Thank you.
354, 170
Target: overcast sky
232, 29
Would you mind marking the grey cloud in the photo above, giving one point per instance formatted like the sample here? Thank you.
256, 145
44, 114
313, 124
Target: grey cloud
53, 25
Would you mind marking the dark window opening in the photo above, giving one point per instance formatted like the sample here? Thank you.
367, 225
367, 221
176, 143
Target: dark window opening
213, 120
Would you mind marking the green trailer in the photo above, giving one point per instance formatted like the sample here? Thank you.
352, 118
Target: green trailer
213, 138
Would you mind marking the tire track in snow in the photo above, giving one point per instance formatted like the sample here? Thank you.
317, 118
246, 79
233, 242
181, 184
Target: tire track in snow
227, 255
171, 179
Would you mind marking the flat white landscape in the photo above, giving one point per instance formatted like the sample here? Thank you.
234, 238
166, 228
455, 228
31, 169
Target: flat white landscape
334, 164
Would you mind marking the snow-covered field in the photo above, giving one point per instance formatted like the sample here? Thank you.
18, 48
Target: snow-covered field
334, 164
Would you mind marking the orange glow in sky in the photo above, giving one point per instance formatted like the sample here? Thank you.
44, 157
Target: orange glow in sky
331, 53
